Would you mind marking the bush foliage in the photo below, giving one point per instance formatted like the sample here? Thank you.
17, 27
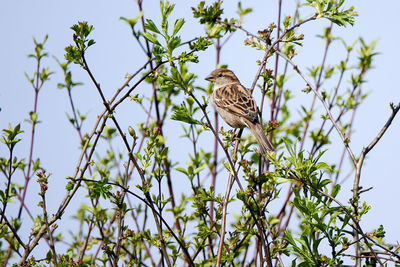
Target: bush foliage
278, 210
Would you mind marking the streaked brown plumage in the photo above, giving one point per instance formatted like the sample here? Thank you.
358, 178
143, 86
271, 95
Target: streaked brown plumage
237, 106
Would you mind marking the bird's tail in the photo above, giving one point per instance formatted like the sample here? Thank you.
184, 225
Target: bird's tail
263, 142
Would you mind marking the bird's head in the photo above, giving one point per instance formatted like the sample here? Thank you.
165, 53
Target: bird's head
222, 76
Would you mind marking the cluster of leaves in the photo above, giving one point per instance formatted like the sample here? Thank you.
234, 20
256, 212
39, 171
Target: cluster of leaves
82, 43
132, 214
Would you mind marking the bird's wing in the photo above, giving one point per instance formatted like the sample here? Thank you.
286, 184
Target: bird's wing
237, 100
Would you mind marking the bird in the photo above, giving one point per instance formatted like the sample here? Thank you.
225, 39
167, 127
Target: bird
236, 105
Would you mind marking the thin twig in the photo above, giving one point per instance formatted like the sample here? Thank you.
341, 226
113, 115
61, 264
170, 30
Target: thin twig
46, 222
345, 139
356, 225
36, 88
223, 223
151, 206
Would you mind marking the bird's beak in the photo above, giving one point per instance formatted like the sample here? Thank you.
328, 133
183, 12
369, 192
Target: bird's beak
210, 78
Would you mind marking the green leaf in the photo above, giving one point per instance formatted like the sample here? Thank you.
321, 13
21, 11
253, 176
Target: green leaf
335, 190
289, 238
91, 42
132, 22
70, 186
182, 170
201, 44
73, 54
29, 78
324, 183
36, 165
228, 167
323, 165
151, 26
243, 11
305, 264
9, 136
380, 232
198, 169
173, 43
33, 117
151, 38
178, 25
108, 132
181, 113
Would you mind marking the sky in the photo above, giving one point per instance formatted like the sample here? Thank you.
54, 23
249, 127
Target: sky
115, 54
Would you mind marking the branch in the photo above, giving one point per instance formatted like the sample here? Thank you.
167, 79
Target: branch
271, 47
356, 225
71, 193
365, 151
345, 139
360, 162
43, 186
395, 109
22, 244
151, 206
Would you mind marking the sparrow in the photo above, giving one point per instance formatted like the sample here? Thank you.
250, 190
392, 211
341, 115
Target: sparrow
235, 104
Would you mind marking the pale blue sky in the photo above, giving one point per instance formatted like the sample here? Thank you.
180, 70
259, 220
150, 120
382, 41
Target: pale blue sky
116, 53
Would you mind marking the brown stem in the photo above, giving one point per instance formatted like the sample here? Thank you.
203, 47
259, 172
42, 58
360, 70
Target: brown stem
223, 223
122, 135
160, 127
360, 162
232, 167
71, 193
154, 210
49, 232
315, 147
120, 223
271, 47
15, 234
356, 226
342, 136
36, 88
216, 126
317, 86
5, 201
277, 105
103, 116
307, 123
278, 32
82, 251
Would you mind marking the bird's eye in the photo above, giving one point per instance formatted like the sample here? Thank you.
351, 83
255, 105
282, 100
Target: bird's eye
220, 75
